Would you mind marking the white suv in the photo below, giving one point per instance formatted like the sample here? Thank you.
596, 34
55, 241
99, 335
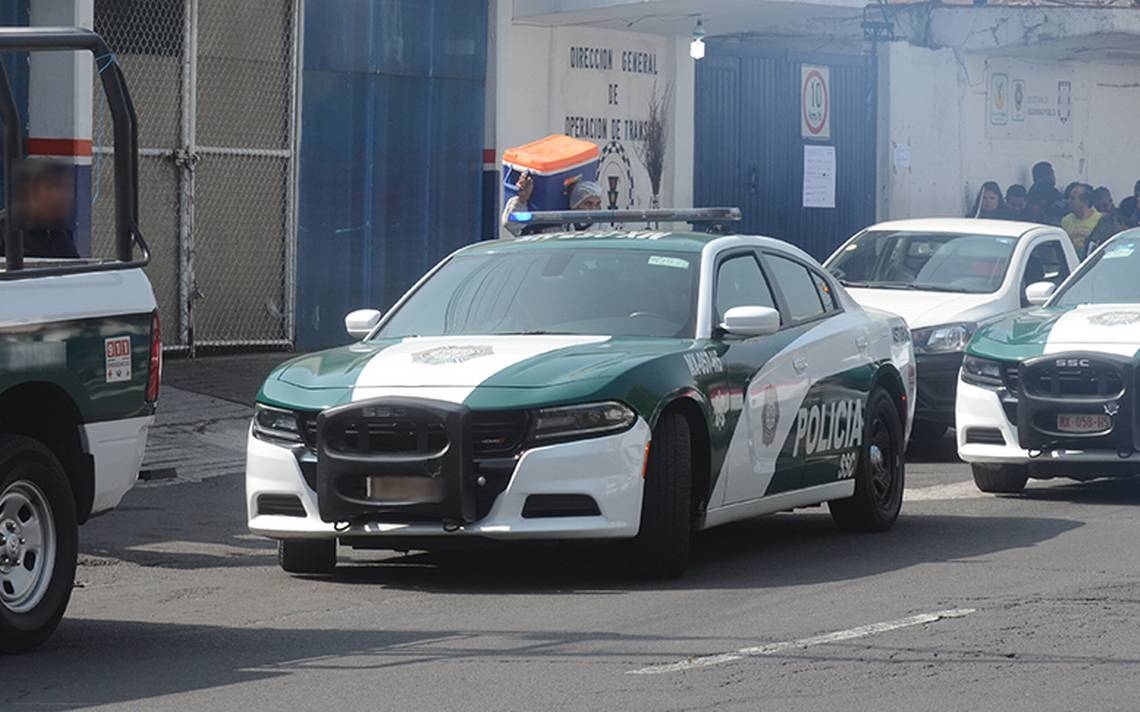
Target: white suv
944, 276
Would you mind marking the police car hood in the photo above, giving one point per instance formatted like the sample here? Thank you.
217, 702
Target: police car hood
1110, 328
922, 309
513, 361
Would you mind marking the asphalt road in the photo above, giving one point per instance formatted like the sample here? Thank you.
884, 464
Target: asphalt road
1033, 604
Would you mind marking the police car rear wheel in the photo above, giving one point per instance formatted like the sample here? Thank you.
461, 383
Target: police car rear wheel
1000, 479
881, 473
661, 548
305, 556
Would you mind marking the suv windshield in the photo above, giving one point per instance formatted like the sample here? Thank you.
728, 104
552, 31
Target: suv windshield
926, 261
563, 290
1109, 277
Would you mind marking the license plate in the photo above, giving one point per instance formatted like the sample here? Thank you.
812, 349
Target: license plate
405, 489
1083, 423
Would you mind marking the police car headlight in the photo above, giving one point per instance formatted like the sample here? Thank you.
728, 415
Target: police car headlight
275, 424
982, 372
581, 421
948, 338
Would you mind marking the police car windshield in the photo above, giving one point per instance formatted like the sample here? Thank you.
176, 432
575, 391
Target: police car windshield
924, 261
1108, 277
557, 290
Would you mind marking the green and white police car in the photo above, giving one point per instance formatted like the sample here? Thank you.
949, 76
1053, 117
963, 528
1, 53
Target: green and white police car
616, 385
1051, 391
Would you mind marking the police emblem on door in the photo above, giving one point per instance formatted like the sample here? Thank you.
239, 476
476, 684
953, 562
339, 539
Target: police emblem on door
770, 415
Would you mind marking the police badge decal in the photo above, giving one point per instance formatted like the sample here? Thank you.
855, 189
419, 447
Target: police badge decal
770, 415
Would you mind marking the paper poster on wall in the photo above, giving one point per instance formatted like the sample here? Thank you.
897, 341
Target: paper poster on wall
1029, 101
819, 176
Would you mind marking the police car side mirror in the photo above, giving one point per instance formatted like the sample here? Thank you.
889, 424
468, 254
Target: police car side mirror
1039, 292
751, 321
360, 323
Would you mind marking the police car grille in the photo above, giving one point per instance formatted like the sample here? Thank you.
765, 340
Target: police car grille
1012, 374
390, 436
495, 432
1074, 382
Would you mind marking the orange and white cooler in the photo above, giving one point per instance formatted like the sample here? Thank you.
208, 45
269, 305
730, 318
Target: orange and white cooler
555, 163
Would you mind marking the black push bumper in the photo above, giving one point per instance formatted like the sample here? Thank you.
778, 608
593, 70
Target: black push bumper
1078, 384
402, 459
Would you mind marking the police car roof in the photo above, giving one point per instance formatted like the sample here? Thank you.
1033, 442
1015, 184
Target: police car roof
961, 226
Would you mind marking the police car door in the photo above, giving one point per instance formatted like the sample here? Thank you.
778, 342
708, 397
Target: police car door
769, 374
828, 428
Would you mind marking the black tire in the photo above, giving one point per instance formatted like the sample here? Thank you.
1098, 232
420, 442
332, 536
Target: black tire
1000, 479
307, 556
36, 503
880, 474
661, 548
928, 431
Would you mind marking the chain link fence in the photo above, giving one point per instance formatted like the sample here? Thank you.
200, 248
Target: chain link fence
214, 87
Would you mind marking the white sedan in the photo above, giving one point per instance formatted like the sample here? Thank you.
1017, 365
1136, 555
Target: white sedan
944, 276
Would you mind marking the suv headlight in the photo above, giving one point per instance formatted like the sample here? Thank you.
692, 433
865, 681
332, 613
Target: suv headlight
948, 338
581, 421
982, 372
275, 424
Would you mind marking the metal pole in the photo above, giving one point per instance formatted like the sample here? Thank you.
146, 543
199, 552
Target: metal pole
185, 160
293, 174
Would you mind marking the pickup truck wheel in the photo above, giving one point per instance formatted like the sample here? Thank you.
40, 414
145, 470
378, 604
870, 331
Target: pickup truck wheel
307, 556
39, 543
661, 548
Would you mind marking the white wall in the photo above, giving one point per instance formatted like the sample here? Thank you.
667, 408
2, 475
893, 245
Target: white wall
537, 89
940, 105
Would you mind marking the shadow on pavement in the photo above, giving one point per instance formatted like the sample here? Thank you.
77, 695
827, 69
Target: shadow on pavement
783, 550
1124, 491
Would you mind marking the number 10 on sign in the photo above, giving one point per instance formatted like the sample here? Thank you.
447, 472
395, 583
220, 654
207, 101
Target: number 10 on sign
815, 102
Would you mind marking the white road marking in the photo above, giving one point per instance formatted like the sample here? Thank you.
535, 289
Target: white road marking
958, 490
705, 661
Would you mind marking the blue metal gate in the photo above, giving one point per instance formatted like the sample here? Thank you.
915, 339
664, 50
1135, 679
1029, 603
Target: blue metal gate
749, 151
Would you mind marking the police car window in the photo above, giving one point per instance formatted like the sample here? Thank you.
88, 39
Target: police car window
740, 283
826, 295
798, 286
565, 290
1108, 277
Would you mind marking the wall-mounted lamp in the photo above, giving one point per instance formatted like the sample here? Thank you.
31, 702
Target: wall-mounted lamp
697, 46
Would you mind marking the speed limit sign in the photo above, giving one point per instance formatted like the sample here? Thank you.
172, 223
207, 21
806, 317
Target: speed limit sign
815, 102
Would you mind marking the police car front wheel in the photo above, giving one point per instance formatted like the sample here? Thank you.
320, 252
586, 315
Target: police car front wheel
880, 477
1000, 479
304, 556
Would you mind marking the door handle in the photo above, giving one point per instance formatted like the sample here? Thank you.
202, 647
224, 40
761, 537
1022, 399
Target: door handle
861, 343
800, 365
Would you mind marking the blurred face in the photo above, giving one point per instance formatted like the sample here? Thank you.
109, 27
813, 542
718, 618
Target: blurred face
1104, 204
591, 203
1076, 200
1016, 202
989, 201
47, 202
1035, 211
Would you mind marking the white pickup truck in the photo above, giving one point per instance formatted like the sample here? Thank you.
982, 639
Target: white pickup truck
80, 363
